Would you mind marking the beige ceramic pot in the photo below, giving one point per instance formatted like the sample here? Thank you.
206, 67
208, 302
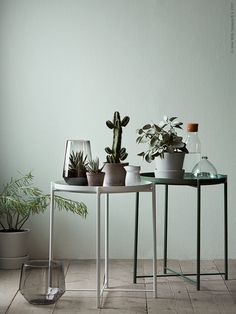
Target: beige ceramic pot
114, 174
171, 166
13, 249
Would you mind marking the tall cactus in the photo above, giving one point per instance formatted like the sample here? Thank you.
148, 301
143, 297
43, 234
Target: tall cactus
116, 154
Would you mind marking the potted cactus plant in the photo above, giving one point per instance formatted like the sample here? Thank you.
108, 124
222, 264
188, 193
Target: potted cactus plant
19, 200
114, 166
95, 175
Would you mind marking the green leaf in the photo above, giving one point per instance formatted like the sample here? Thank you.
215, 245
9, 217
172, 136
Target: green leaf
146, 126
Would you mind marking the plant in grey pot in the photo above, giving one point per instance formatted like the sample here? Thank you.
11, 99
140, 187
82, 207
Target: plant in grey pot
19, 200
165, 146
114, 167
94, 173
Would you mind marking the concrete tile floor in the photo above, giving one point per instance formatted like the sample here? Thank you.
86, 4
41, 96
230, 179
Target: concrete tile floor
175, 295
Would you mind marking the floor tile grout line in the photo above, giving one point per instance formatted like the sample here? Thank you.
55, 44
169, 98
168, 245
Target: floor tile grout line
8, 308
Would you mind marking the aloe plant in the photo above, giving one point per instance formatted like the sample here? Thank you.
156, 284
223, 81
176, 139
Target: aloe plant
93, 166
19, 199
78, 162
161, 138
116, 154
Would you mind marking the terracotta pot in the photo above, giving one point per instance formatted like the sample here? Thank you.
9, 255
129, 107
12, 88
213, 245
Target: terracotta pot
95, 179
114, 174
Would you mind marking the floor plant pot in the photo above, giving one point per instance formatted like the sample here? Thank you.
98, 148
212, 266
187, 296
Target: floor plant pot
171, 166
95, 179
13, 249
114, 174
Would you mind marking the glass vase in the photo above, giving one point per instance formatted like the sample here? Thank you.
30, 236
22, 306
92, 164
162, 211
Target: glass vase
204, 169
41, 282
76, 176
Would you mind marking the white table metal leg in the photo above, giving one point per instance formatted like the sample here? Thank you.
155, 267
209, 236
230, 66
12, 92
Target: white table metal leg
107, 241
51, 225
51, 222
154, 242
98, 240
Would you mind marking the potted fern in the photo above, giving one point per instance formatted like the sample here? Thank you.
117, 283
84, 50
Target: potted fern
19, 200
95, 175
164, 146
114, 167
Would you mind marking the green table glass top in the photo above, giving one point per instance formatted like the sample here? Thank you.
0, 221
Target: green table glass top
186, 180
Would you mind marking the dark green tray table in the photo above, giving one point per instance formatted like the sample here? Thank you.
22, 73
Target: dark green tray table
197, 183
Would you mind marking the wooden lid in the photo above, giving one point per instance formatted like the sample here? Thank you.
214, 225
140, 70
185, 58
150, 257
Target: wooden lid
192, 127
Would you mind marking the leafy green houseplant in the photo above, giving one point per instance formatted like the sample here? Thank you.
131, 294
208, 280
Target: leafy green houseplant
114, 167
161, 138
163, 141
19, 200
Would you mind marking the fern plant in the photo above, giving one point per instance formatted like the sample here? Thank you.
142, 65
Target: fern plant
19, 199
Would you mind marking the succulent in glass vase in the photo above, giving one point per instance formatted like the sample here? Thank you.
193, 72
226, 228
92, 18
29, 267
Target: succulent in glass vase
77, 155
78, 163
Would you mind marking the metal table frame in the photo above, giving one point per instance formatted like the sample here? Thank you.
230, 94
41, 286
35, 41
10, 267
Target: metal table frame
61, 186
196, 183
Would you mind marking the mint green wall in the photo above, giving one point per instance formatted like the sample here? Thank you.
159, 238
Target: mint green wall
66, 66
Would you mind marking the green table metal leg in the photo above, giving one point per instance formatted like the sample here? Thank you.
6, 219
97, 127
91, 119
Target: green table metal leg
165, 230
136, 238
198, 233
226, 229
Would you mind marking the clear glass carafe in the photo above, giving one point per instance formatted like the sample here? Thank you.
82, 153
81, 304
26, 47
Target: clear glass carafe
204, 169
193, 146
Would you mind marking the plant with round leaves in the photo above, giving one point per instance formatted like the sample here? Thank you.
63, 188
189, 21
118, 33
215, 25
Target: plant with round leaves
161, 138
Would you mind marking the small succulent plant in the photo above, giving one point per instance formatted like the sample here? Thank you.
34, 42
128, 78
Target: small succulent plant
78, 162
161, 138
93, 166
116, 154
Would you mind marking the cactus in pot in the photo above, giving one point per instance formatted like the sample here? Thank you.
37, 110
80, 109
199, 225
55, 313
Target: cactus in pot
114, 168
116, 154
